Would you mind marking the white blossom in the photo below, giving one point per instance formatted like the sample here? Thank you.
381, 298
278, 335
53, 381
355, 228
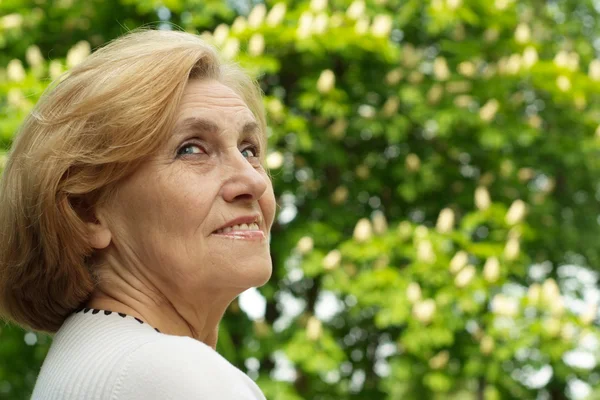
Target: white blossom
404, 230
513, 64
257, 15
305, 25
491, 270
561, 59
465, 276
440, 69
573, 61
394, 76
413, 292
445, 221
486, 346
590, 314
231, 48
314, 328
15, 70
318, 5
557, 305
55, 69
594, 70
458, 87
380, 225
15, 98
530, 57
332, 260
453, 4
502, 4
34, 56
505, 306
356, 9
563, 83
363, 231
390, 107
482, 198
522, 33
78, 53
320, 23
459, 260
435, 93
339, 195
425, 252
424, 310
275, 160
550, 291
466, 68
413, 162
221, 34
277, 14
326, 81
382, 25
534, 294
362, 26
440, 360
275, 107
366, 111
305, 245
11, 21
421, 232
256, 45
552, 326
463, 101
516, 212
568, 332
489, 110
512, 249
239, 24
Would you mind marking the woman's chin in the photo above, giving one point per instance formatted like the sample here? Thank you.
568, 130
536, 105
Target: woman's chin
258, 275
246, 273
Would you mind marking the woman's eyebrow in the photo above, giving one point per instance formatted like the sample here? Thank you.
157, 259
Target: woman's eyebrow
207, 126
197, 124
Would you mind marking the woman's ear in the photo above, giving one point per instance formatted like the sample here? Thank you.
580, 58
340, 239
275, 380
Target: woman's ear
98, 232
99, 235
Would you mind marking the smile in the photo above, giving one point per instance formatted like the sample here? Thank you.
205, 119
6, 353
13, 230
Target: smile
241, 232
240, 227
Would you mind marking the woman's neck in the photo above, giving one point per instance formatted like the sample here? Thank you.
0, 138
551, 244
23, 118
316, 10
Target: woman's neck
171, 315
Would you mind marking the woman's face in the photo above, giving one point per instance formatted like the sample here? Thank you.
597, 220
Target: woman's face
167, 219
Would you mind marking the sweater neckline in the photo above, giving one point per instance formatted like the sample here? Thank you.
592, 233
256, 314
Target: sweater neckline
97, 311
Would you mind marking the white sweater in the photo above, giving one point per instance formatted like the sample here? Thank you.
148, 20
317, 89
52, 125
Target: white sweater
99, 355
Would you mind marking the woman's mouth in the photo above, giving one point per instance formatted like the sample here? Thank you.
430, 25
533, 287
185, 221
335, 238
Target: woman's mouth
241, 231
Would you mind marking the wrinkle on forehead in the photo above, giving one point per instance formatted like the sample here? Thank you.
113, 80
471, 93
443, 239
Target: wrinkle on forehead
212, 93
215, 102
202, 97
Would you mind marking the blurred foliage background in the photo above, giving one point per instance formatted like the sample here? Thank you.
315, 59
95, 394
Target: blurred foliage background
437, 164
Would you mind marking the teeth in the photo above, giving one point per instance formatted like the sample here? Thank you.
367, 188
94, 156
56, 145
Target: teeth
242, 227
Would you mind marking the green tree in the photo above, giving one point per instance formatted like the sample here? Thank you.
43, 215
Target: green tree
437, 167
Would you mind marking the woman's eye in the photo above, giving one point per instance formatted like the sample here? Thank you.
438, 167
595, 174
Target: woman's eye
190, 149
249, 152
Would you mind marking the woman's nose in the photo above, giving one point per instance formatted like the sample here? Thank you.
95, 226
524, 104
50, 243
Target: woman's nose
242, 180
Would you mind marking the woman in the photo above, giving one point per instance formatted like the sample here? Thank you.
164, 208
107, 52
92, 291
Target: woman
135, 208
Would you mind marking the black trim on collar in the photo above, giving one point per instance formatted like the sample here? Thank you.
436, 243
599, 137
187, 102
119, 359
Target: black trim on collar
108, 312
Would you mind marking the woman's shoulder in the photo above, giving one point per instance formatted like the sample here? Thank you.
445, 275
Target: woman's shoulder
179, 349
174, 367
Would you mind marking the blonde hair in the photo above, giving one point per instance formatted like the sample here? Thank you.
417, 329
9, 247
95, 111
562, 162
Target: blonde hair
86, 133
